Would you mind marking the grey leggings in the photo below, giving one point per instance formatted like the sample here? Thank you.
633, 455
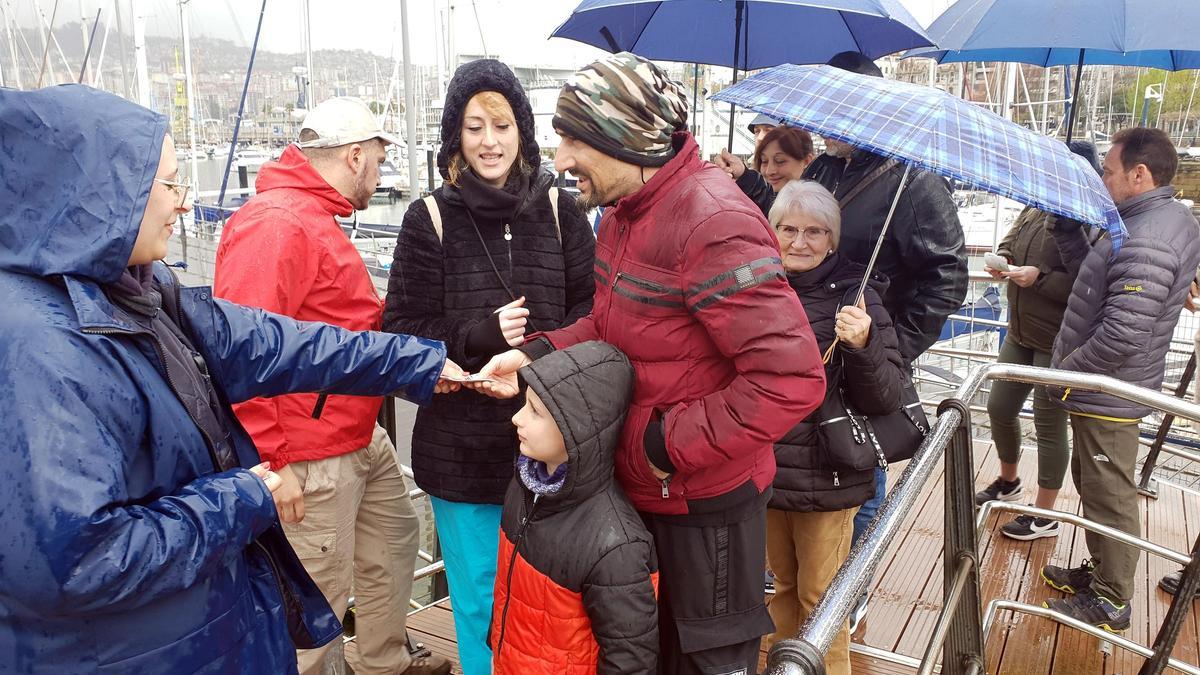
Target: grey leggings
1049, 420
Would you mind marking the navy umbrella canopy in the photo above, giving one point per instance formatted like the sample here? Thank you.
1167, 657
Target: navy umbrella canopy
771, 31
745, 34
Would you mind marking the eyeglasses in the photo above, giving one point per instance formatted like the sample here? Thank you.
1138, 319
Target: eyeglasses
179, 188
789, 233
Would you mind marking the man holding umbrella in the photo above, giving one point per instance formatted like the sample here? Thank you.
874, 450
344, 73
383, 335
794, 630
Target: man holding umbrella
689, 285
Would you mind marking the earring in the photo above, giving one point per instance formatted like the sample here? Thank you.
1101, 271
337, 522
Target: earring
828, 253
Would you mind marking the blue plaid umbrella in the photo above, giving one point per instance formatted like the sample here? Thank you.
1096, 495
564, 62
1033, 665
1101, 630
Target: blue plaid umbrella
932, 130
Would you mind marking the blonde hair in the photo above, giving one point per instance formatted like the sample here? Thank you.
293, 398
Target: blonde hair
494, 104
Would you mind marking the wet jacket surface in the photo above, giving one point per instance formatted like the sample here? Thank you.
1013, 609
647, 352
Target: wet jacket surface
283, 251
1035, 313
872, 377
690, 287
1122, 312
575, 588
125, 550
924, 254
463, 445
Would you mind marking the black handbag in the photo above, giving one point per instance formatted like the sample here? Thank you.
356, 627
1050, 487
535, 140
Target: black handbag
851, 441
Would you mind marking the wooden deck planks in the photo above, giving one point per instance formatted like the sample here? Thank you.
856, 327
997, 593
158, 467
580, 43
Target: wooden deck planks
908, 588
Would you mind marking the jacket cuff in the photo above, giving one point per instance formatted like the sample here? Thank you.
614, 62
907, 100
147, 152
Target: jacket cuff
536, 348
656, 444
748, 179
485, 338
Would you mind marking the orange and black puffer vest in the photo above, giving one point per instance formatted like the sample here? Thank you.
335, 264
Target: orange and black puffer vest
577, 581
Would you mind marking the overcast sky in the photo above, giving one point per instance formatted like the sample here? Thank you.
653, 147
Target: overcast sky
514, 30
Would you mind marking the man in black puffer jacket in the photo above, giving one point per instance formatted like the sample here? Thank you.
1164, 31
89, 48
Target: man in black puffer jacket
575, 591
1119, 321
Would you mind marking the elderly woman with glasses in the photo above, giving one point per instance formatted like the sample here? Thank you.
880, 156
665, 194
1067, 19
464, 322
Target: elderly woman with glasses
810, 517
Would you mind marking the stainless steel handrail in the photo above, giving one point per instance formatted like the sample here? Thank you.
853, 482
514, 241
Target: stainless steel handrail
788, 656
996, 606
1079, 521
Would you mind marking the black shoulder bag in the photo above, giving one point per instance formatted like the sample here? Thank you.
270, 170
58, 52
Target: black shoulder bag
851, 441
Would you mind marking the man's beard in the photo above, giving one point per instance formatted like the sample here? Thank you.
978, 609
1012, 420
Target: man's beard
594, 199
361, 193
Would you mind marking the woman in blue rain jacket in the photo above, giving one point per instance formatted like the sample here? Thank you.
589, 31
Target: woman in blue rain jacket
131, 538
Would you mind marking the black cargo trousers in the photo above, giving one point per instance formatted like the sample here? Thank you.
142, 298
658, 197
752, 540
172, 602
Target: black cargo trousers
711, 604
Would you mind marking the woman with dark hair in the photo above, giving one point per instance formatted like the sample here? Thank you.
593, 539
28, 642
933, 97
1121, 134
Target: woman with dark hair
782, 156
494, 251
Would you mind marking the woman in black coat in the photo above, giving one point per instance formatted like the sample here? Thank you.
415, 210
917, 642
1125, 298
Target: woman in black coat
486, 256
810, 518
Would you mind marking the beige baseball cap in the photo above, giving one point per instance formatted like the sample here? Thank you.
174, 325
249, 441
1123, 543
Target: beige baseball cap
342, 121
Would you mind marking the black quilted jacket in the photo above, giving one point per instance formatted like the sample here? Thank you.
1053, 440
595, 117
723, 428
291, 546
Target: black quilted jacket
874, 379
463, 444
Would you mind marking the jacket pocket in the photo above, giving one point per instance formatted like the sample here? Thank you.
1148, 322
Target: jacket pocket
633, 466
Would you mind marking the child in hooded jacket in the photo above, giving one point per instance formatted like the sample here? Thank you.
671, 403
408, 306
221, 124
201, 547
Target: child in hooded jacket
577, 579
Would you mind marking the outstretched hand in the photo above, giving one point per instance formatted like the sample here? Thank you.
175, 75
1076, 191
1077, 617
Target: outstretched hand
446, 383
501, 374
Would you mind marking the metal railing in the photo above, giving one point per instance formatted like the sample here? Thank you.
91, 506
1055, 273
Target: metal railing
960, 629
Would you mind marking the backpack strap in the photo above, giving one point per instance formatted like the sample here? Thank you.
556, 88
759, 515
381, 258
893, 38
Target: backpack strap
435, 215
554, 208
866, 182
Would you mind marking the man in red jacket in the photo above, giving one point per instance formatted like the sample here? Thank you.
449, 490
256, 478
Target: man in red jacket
690, 286
343, 503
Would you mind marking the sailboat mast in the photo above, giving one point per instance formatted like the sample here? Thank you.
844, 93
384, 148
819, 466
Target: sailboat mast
121, 44
139, 52
190, 90
410, 106
308, 88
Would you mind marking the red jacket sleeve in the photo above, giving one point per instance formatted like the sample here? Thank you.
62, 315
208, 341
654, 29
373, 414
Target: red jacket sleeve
735, 286
266, 259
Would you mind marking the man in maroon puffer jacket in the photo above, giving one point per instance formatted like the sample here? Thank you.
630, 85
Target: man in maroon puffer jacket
689, 285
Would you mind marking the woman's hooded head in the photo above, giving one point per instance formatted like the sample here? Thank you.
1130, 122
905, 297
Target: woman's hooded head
76, 176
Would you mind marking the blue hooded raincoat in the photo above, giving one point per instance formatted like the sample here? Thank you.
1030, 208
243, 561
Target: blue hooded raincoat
123, 549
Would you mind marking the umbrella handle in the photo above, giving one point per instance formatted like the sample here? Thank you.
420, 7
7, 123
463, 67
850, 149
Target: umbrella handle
862, 287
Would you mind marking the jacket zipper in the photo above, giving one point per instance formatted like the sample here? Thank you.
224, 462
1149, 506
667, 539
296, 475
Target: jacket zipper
836, 481
512, 560
666, 492
284, 596
508, 245
618, 256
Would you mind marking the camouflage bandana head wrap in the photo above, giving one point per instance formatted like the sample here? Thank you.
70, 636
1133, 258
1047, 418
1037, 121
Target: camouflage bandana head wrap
625, 107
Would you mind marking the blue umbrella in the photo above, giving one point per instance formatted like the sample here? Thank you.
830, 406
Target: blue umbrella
1018, 30
1161, 59
771, 32
745, 34
932, 130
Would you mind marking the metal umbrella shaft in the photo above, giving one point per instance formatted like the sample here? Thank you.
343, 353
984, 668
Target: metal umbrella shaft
1075, 97
887, 222
737, 47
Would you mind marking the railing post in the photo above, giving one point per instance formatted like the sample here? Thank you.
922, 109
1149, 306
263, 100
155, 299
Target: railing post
1144, 486
1177, 614
964, 639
